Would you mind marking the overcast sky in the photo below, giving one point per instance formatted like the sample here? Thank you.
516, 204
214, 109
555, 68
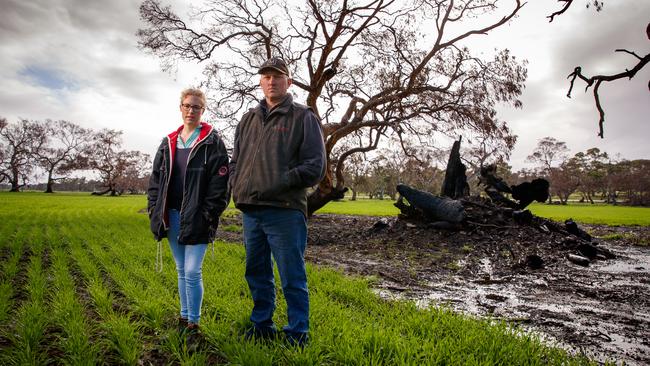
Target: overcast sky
78, 60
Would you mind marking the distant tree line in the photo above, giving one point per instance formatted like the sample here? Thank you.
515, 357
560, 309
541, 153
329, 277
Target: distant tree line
592, 174
59, 148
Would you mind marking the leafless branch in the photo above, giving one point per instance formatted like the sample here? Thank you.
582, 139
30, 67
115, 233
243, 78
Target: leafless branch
598, 79
565, 7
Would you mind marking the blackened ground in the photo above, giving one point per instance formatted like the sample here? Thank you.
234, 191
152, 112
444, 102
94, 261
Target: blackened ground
486, 268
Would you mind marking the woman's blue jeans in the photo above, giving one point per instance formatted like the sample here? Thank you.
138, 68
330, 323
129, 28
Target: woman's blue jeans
189, 260
281, 233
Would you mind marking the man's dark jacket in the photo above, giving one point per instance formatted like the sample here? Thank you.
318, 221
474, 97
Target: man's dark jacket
277, 155
205, 188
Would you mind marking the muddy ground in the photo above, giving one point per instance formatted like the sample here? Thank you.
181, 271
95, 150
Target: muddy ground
493, 268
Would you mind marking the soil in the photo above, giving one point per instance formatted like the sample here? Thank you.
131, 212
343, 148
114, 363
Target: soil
493, 266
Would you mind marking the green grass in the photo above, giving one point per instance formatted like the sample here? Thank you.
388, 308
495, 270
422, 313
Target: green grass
361, 207
91, 260
594, 214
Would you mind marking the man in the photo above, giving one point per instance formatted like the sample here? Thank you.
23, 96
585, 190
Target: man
278, 153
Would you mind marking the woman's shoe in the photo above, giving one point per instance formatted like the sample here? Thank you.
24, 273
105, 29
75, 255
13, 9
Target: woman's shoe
193, 337
182, 325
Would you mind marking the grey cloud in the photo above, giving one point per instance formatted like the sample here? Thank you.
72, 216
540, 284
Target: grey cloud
129, 82
594, 37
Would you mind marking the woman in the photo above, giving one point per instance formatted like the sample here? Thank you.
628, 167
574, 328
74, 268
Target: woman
188, 191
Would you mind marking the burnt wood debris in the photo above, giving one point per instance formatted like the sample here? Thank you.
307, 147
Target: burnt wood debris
456, 210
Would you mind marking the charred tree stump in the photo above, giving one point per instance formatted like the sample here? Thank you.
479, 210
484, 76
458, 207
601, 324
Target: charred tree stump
428, 206
455, 184
527, 192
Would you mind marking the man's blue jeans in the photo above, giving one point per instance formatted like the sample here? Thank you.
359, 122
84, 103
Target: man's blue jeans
189, 260
282, 233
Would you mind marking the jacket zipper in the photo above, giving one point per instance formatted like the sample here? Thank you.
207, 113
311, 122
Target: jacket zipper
169, 175
196, 146
257, 149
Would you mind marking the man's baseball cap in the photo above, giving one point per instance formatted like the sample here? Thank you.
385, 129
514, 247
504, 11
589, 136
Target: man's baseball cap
275, 63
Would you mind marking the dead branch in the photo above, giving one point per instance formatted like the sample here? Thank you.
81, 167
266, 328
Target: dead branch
598, 79
567, 4
597, 4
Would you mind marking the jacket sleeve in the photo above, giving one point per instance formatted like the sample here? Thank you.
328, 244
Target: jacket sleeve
217, 194
154, 181
311, 155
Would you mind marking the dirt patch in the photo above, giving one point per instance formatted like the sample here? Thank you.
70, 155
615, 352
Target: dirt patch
504, 270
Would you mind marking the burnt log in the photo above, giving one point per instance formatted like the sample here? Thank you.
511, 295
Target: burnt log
431, 207
495, 186
488, 177
527, 192
578, 259
588, 250
522, 217
500, 199
455, 183
573, 228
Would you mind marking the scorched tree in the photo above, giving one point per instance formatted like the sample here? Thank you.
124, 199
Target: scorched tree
370, 69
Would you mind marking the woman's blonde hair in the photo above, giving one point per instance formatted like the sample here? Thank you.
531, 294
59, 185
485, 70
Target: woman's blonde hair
194, 92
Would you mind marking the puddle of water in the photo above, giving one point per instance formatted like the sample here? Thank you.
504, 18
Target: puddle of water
636, 260
485, 265
605, 325
625, 267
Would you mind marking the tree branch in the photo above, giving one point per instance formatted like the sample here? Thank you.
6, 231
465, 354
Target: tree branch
567, 4
598, 79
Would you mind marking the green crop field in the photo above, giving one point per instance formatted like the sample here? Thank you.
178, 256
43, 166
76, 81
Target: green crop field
78, 287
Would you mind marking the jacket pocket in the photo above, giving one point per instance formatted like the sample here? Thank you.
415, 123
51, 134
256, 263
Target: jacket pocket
276, 189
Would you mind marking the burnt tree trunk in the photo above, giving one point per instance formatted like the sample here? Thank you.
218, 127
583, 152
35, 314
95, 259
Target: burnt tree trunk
455, 184
428, 206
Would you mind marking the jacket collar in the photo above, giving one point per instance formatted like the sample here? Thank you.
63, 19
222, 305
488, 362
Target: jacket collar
173, 137
205, 130
281, 108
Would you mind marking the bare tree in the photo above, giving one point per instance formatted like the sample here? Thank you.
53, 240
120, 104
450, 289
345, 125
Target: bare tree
356, 174
113, 164
63, 150
597, 80
547, 152
362, 66
564, 180
591, 170
135, 179
19, 143
485, 149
